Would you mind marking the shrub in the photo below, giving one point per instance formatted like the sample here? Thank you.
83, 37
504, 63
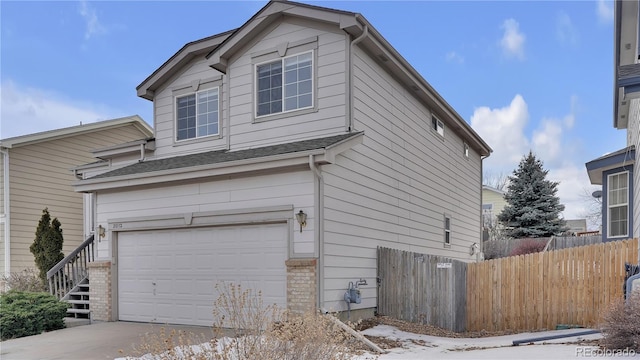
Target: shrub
25, 280
621, 324
30, 313
47, 245
253, 331
528, 246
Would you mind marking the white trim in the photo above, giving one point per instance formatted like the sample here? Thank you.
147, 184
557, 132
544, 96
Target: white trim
626, 203
6, 218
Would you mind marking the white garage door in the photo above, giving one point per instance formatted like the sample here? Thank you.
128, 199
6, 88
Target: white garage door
168, 276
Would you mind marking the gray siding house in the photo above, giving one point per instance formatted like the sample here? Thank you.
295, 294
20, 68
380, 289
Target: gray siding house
303, 110
616, 171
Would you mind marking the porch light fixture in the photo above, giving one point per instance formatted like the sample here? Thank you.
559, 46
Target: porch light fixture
101, 231
302, 219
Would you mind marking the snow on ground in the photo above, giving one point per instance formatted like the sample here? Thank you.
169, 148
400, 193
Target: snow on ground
416, 346
499, 347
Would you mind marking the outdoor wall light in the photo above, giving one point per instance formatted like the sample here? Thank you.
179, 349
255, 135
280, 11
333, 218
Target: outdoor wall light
302, 219
101, 231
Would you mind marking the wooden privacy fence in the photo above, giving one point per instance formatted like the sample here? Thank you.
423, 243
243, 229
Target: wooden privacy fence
542, 290
422, 288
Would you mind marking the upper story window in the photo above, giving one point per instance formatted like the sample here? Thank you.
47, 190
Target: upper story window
618, 204
465, 150
437, 125
447, 230
285, 84
197, 115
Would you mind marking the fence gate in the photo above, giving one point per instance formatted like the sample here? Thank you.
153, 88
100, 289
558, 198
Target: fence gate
422, 288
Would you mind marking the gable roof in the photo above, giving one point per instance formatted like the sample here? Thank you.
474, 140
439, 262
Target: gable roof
210, 163
224, 46
492, 189
43, 136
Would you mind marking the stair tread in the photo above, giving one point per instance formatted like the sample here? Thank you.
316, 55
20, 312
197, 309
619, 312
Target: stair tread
78, 311
79, 293
78, 301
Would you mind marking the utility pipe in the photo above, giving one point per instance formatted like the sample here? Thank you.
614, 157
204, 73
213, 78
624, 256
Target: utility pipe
6, 211
350, 67
318, 209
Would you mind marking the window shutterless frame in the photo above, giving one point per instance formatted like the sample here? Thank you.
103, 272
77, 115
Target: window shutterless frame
284, 85
437, 125
618, 205
197, 114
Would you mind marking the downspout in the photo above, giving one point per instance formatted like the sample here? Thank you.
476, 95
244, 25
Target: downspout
6, 211
227, 107
350, 67
318, 209
142, 153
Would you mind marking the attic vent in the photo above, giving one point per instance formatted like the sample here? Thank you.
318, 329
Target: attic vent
383, 58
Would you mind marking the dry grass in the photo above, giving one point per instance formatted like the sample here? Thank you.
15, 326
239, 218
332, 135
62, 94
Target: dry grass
246, 329
621, 324
25, 280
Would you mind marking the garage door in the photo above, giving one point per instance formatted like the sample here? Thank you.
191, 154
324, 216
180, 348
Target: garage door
168, 276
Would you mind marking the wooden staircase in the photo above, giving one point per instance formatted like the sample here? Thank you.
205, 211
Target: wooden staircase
69, 280
79, 300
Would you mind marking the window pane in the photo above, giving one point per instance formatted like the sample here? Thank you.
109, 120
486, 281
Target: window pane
290, 77
304, 87
185, 113
304, 101
304, 73
207, 112
290, 90
276, 107
291, 103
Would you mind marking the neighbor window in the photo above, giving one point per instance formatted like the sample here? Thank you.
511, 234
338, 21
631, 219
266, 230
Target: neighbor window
447, 230
437, 125
285, 84
618, 204
197, 115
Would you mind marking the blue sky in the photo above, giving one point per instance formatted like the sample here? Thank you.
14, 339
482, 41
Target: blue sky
525, 75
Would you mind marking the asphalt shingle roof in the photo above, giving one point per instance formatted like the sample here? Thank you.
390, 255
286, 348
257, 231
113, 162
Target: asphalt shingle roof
221, 156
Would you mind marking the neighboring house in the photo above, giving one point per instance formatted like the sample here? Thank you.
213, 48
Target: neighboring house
616, 171
35, 173
492, 204
303, 111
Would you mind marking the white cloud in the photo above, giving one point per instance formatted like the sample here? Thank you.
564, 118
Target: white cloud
94, 27
512, 41
27, 110
566, 32
604, 11
503, 130
453, 56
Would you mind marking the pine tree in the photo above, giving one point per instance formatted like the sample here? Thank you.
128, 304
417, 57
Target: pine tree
533, 209
47, 246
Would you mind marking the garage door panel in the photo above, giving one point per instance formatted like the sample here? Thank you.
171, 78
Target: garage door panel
186, 265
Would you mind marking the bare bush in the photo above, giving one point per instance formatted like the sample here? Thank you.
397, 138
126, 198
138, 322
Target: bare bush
528, 246
621, 324
25, 280
246, 329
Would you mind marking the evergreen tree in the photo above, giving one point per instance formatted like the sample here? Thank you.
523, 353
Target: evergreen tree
47, 246
532, 209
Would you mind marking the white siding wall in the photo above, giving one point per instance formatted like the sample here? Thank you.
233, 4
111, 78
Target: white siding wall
328, 120
394, 189
294, 188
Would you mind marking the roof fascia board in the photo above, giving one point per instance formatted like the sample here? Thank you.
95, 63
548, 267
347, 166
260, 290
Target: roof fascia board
146, 89
596, 167
196, 172
76, 130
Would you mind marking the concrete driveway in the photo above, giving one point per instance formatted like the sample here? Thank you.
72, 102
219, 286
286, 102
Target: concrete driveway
107, 340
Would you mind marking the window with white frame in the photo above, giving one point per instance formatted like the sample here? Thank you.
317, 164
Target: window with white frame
465, 150
437, 125
447, 230
285, 84
197, 115
618, 204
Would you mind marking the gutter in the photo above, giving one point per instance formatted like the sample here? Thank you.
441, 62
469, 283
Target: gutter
319, 210
6, 211
364, 34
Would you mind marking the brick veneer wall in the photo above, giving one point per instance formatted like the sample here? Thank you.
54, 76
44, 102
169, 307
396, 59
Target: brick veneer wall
100, 290
301, 285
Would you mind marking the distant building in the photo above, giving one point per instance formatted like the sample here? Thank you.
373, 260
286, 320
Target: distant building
577, 225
